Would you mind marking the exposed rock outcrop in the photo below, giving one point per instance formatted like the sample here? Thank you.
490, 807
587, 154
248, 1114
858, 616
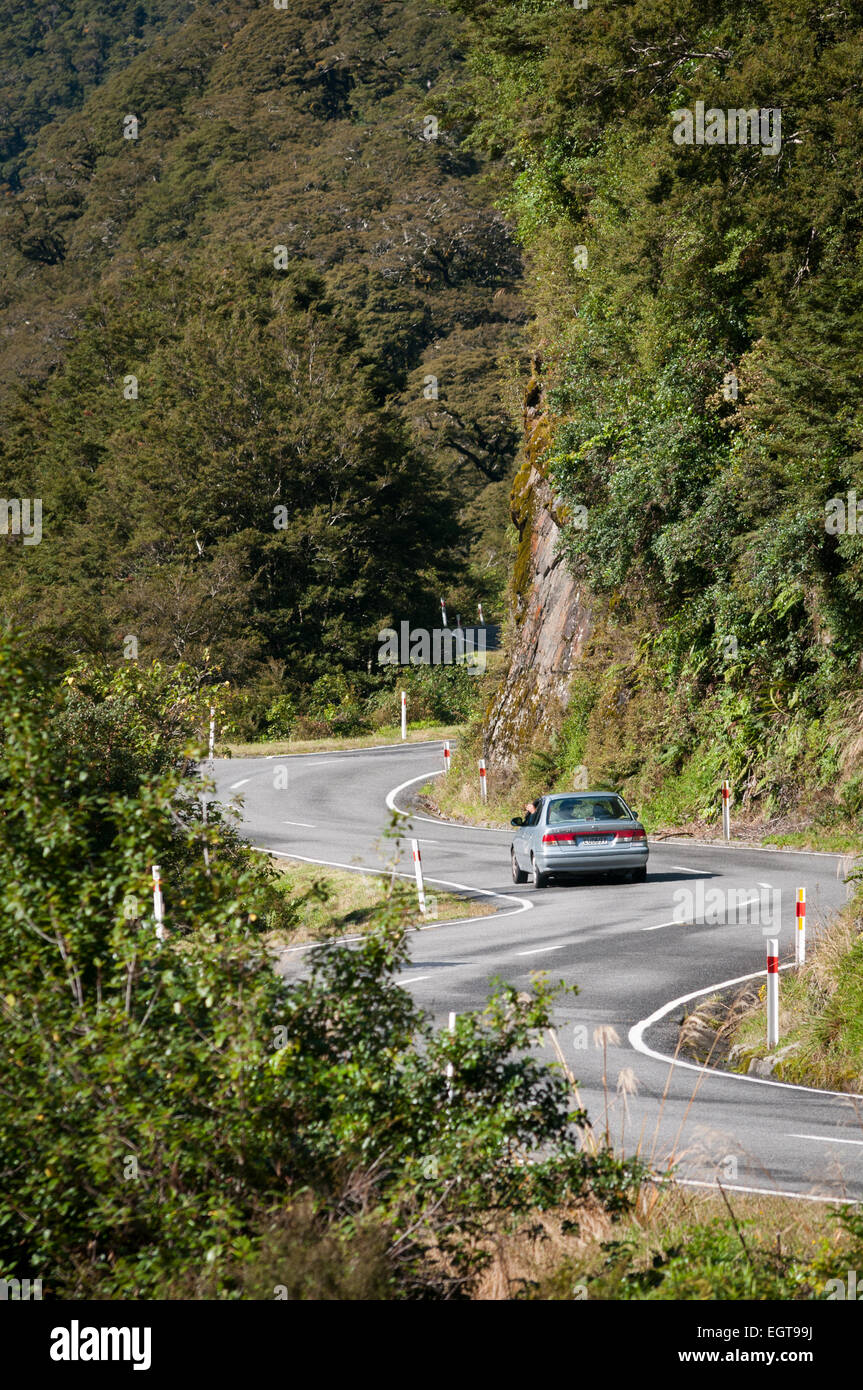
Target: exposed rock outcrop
550, 613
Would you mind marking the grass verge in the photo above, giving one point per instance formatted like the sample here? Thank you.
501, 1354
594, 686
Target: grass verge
820, 1016
323, 904
389, 733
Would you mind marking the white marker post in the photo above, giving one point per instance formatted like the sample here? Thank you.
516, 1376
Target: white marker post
446, 756
443, 612
158, 905
404, 714
800, 934
418, 870
212, 732
726, 810
772, 991
450, 1072
483, 789
481, 618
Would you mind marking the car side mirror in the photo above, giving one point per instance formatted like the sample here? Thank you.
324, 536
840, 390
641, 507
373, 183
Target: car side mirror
635, 815
517, 820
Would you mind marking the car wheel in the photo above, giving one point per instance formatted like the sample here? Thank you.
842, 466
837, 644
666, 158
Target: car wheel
518, 875
639, 875
538, 879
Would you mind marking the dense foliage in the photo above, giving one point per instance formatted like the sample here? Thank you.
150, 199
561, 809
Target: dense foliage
221, 301
699, 314
175, 1111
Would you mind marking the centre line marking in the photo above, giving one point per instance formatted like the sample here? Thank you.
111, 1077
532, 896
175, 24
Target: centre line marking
538, 950
414, 979
306, 823
234, 785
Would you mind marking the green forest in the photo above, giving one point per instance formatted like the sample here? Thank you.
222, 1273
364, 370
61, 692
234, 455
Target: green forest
255, 380
698, 315
277, 288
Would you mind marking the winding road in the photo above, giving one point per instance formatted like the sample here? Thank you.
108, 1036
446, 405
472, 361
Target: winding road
635, 966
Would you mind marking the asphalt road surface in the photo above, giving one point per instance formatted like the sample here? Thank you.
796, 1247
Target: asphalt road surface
635, 966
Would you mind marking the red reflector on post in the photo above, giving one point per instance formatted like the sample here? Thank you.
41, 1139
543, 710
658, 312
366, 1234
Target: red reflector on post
772, 965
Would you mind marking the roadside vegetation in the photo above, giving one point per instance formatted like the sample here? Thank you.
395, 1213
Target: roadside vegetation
325, 1152
820, 1013
418, 732
695, 392
321, 903
323, 1147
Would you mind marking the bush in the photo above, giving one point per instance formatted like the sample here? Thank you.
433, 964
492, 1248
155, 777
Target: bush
186, 1098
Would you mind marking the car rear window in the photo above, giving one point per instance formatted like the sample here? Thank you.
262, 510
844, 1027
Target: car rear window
586, 808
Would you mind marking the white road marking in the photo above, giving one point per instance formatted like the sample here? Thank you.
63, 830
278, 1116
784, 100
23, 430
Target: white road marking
637, 1031
765, 1191
676, 923
234, 785
757, 849
414, 979
525, 905
538, 950
824, 1139
435, 820
306, 823
683, 869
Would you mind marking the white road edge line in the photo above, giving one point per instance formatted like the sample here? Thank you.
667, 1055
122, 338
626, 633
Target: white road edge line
822, 1138
766, 1192
744, 849
234, 785
342, 752
637, 1031
308, 825
435, 820
525, 905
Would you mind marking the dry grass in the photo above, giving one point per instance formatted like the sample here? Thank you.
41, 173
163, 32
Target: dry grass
333, 903
380, 738
535, 1257
820, 1011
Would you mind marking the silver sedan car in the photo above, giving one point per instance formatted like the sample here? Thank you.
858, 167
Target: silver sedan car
578, 833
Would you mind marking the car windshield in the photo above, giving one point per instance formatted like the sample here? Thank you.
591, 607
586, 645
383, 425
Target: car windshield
586, 808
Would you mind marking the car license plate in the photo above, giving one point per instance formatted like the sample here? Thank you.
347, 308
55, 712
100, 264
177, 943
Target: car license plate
588, 840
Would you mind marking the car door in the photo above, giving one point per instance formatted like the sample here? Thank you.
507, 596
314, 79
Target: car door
521, 841
531, 832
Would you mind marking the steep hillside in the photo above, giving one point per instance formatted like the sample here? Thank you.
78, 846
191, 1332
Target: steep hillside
251, 273
698, 301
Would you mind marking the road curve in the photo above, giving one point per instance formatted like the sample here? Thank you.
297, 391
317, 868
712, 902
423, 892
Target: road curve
617, 942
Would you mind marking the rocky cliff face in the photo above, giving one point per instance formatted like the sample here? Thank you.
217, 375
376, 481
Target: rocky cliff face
550, 613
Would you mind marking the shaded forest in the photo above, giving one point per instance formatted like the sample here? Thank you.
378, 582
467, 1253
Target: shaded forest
254, 309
